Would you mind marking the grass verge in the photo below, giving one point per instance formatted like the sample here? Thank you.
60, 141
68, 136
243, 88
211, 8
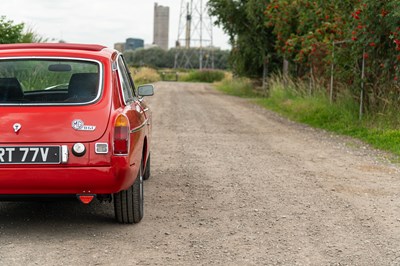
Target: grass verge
295, 102
205, 75
144, 75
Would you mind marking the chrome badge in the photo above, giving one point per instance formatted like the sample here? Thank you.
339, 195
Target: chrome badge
78, 124
17, 127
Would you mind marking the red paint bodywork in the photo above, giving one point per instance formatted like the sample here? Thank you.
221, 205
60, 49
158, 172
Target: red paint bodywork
51, 125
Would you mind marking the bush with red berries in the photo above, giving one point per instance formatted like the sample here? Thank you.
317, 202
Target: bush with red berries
363, 30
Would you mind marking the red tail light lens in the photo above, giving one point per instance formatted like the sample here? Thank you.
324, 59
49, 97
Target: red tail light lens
121, 135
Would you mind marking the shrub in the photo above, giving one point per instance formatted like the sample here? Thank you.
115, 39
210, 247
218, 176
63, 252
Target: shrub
209, 76
145, 75
241, 87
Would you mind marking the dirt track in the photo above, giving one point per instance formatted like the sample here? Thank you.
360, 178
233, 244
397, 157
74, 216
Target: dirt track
231, 184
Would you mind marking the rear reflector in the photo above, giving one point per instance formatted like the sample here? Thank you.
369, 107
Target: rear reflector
86, 199
101, 148
64, 153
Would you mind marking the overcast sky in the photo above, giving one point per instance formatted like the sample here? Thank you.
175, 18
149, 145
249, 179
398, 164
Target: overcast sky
97, 21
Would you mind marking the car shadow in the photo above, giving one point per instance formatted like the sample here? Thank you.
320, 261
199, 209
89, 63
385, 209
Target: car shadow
54, 216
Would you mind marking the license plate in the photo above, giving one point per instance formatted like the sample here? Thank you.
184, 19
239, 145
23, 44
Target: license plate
30, 155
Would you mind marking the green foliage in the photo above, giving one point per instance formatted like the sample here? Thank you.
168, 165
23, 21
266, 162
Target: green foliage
14, 33
252, 42
221, 59
169, 75
363, 35
293, 101
153, 57
190, 58
29, 36
346, 36
375, 34
305, 29
144, 75
159, 58
340, 117
209, 76
10, 32
304, 33
241, 87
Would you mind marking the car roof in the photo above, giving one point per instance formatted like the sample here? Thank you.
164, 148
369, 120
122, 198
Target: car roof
93, 51
66, 46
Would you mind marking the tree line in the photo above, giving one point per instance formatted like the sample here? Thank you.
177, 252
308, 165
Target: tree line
11, 32
158, 58
342, 44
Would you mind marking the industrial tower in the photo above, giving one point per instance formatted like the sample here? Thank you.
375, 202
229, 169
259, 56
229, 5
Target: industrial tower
161, 26
194, 46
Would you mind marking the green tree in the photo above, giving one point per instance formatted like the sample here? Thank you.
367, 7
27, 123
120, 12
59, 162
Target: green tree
190, 58
375, 33
159, 58
10, 32
366, 35
221, 58
252, 42
153, 57
16, 33
305, 29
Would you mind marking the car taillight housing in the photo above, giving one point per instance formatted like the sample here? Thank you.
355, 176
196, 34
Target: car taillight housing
121, 135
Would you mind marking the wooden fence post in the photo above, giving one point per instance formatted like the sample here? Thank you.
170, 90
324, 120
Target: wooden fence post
332, 73
362, 86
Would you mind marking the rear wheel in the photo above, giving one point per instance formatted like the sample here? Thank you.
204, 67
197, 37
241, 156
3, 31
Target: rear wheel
128, 204
146, 174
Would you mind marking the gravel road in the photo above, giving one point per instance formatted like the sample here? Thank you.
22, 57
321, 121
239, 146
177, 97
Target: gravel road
231, 184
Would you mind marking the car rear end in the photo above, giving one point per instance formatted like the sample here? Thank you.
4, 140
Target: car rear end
57, 125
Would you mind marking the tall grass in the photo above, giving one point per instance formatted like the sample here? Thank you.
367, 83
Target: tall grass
206, 75
240, 87
144, 75
295, 100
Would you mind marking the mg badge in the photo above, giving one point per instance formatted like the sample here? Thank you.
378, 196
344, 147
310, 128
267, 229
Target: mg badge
17, 127
79, 125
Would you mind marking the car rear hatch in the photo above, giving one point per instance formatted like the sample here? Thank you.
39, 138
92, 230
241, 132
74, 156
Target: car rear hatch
52, 100
44, 124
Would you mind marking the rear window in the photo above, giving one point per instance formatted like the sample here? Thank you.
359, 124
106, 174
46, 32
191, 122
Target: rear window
49, 81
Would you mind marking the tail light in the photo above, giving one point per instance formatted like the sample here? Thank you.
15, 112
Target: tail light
121, 135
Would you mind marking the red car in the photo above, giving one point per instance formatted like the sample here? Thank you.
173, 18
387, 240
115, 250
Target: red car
72, 124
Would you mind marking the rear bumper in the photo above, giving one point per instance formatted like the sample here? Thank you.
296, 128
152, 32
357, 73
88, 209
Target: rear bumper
62, 180
38, 197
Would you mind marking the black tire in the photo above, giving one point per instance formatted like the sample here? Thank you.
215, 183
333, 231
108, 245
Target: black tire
128, 204
146, 174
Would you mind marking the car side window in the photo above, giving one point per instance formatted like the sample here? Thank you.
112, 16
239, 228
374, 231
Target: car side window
126, 84
129, 77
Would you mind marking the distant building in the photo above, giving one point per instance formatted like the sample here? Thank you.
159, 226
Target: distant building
120, 46
133, 44
161, 26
